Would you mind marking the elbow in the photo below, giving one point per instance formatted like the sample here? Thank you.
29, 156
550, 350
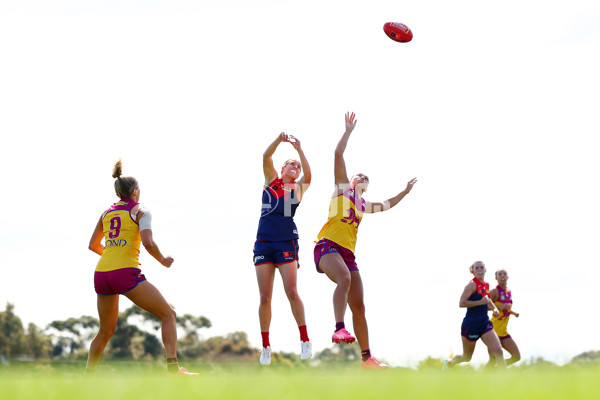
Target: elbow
148, 243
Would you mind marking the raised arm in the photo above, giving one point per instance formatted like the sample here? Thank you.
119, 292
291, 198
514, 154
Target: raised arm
304, 182
339, 165
268, 167
389, 203
96, 239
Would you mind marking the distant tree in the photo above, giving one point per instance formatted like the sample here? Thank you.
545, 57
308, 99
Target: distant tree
12, 336
586, 358
336, 354
71, 335
38, 344
138, 330
535, 362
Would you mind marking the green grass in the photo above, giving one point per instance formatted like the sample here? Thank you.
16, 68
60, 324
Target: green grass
148, 381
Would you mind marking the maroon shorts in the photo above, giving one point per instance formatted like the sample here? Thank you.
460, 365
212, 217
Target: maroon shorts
326, 246
118, 281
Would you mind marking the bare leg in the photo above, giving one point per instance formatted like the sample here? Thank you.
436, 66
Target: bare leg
490, 339
492, 361
468, 349
357, 306
265, 274
334, 267
510, 346
108, 311
289, 276
146, 296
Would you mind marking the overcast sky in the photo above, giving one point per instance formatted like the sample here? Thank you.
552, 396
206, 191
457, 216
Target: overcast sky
493, 106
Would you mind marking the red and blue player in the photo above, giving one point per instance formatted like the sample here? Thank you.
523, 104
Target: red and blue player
476, 323
276, 245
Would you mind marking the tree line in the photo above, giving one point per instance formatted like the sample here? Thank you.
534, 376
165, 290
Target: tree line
137, 338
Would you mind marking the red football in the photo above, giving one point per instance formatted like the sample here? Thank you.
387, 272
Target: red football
398, 32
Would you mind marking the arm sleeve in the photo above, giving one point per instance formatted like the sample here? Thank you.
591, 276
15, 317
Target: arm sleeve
146, 220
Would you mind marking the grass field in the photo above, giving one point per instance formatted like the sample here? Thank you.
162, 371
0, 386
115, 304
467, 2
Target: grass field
148, 381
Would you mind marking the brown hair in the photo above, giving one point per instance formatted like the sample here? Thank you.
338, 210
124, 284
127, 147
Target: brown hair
124, 186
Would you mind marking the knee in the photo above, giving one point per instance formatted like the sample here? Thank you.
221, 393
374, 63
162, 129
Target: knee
169, 316
292, 294
357, 307
106, 332
265, 299
344, 281
516, 357
467, 357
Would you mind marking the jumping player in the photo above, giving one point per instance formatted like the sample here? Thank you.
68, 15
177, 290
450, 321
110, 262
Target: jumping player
334, 252
476, 323
502, 298
124, 226
276, 245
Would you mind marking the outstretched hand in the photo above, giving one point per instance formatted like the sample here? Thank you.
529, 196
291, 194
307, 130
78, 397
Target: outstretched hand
286, 137
294, 142
350, 121
410, 184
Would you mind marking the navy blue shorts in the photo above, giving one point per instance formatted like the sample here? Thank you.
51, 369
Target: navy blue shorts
473, 330
275, 252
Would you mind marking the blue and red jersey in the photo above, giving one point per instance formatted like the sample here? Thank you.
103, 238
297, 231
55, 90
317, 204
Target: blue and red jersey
279, 206
478, 312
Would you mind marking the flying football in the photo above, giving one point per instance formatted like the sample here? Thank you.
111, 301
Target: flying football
398, 32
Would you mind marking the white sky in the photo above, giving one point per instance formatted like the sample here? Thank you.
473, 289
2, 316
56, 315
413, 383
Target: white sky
494, 107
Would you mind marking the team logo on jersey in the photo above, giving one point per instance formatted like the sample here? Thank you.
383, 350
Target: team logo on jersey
116, 243
351, 218
271, 201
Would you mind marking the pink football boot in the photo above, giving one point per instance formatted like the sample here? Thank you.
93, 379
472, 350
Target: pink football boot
342, 335
373, 363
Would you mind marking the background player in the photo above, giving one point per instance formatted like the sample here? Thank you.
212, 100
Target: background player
502, 298
276, 245
124, 226
476, 323
334, 252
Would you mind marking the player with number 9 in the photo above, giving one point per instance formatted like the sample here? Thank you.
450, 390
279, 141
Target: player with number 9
124, 226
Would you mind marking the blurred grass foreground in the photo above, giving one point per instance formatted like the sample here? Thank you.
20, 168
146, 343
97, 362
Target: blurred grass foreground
135, 380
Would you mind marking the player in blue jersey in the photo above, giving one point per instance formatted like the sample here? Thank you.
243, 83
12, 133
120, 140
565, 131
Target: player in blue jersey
476, 323
276, 245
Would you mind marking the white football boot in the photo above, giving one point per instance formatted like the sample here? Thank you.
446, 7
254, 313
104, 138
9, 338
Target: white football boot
306, 350
265, 356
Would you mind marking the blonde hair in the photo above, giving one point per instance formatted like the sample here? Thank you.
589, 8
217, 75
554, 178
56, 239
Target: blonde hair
473, 265
124, 186
289, 161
